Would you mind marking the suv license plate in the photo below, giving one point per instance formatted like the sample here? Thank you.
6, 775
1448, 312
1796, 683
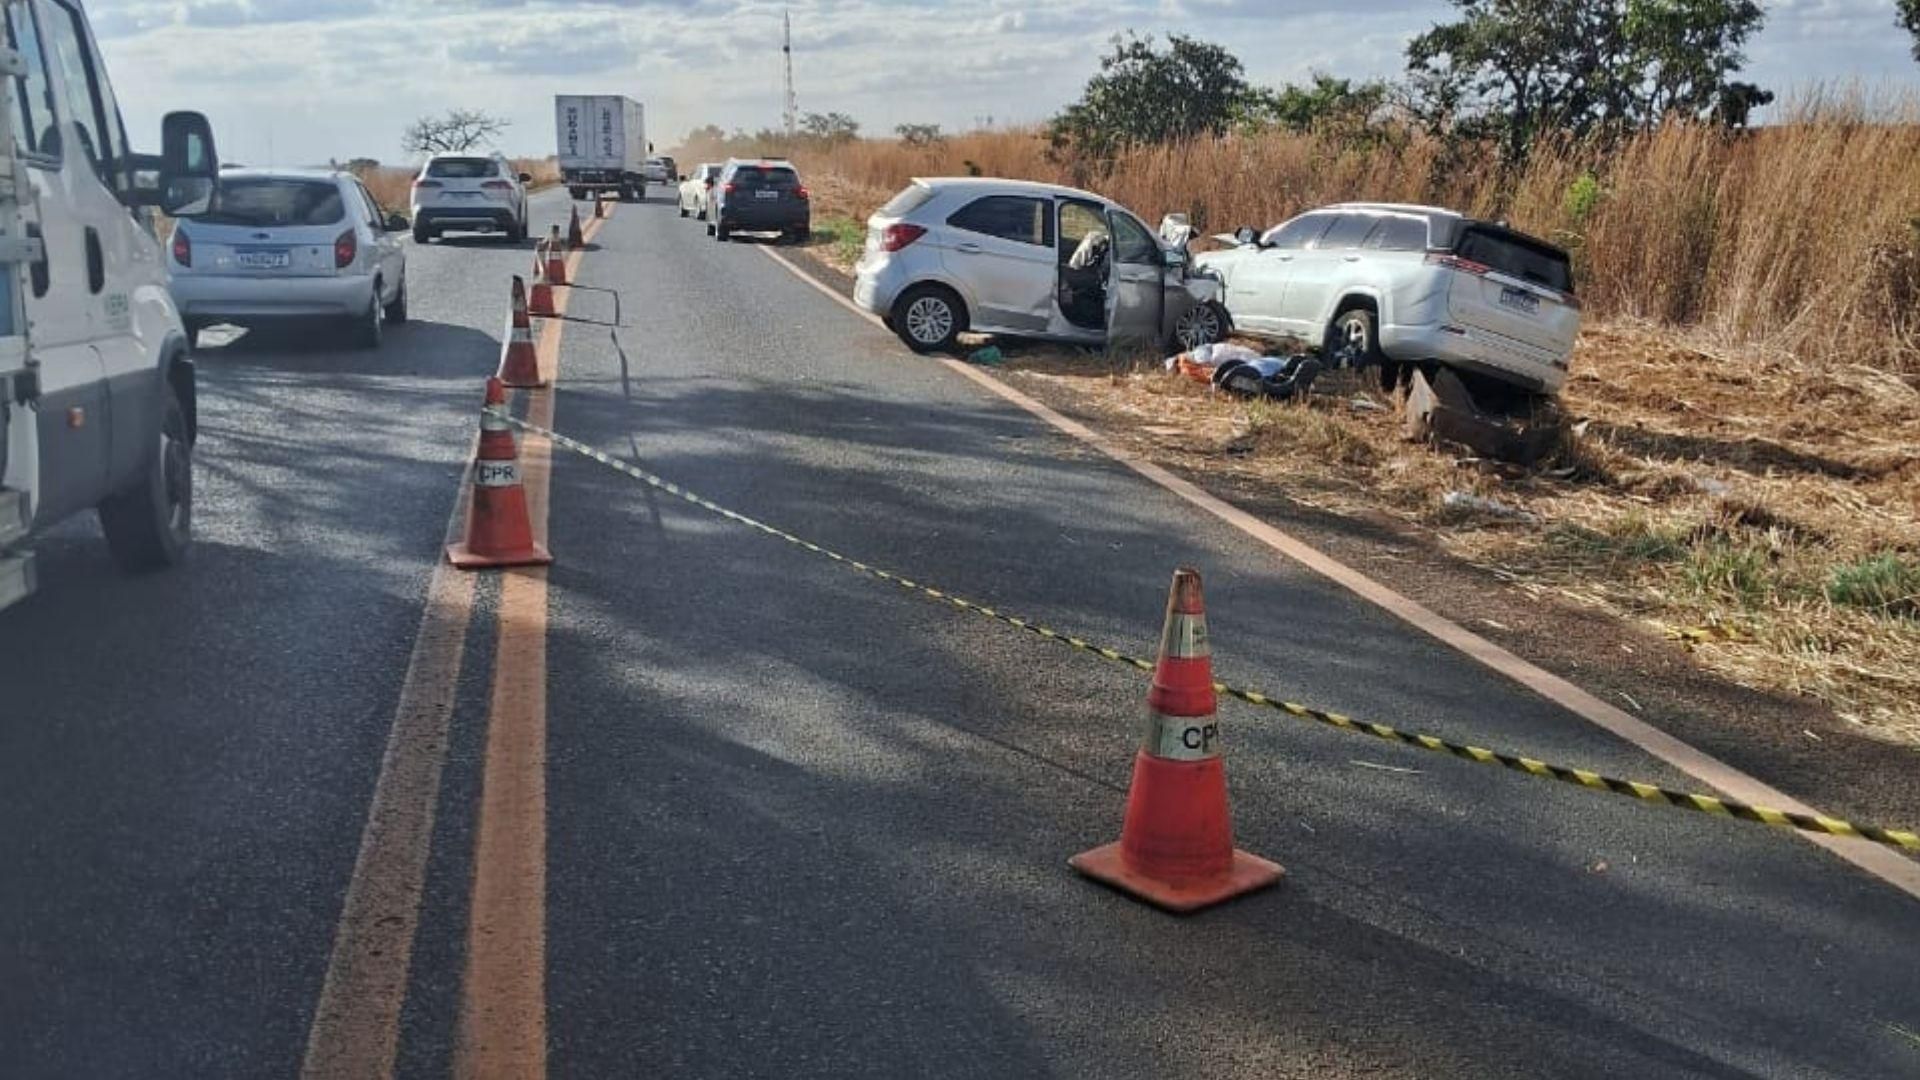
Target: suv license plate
263, 260
766, 194
1520, 300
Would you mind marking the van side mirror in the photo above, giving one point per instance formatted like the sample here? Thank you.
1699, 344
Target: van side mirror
189, 165
1174, 258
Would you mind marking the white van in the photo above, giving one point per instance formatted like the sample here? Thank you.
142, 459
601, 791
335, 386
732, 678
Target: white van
96, 378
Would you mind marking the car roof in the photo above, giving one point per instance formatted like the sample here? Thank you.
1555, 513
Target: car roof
761, 163
1393, 208
489, 154
985, 184
271, 172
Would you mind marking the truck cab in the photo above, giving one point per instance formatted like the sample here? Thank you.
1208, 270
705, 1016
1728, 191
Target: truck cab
96, 373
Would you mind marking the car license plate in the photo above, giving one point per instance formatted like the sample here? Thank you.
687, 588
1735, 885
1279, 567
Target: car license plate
766, 194
263, 260
464, 194
1520, 300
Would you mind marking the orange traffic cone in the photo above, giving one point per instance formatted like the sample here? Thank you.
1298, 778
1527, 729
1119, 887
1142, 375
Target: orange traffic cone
499, 532
599, 208
575, 239
1176, 847
519, 364
556, 258
540, 296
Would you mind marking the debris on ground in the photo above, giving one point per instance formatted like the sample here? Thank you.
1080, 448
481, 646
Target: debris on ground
1480, 504
990, 356
1440, 408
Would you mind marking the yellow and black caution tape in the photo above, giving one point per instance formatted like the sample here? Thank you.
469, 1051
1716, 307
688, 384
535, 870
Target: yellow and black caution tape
1705, 804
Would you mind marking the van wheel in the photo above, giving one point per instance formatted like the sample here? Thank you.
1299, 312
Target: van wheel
396, 312
149, 526
366, 329
422, 234
1352, 341
1203, 324
929, 318
722, 233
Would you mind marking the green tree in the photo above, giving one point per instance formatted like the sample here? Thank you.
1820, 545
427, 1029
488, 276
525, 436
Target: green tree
1909, 19
832, 127
920, 135
1326, 103
1516, 68
1144, 94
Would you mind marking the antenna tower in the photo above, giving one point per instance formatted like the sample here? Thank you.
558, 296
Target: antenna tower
792, 106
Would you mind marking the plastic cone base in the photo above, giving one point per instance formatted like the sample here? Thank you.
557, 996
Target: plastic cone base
1247, 873
521, 370
466, 559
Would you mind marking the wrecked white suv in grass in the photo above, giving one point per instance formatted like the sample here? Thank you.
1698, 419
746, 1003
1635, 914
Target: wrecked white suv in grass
1403, 286
950, 255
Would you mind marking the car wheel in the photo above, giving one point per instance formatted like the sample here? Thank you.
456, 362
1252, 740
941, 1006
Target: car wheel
149, 526
1351, 341
576, 194
367, 327
422, 234
1203, 324
516, 231
929, 318
802, 235
722, 233
396, 312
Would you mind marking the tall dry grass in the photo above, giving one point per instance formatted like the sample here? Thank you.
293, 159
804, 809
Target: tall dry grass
1802, 238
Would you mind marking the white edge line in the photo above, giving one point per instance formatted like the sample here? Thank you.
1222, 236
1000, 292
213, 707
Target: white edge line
1889, 866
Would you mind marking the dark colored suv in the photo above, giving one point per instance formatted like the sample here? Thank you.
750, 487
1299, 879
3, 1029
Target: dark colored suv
763, 197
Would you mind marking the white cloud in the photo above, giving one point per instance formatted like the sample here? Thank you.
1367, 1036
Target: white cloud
305, 80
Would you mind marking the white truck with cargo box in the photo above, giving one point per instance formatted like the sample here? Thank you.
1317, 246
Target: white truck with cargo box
602, 145
96, 376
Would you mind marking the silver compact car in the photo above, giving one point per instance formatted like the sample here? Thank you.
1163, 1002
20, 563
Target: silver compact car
291, 244
1036, 260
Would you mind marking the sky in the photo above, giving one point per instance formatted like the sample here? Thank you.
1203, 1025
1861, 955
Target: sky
307, 81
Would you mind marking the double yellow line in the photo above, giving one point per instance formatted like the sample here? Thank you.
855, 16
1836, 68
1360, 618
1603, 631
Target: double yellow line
502, 1024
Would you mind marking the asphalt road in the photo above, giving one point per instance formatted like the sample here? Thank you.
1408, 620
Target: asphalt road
799, 823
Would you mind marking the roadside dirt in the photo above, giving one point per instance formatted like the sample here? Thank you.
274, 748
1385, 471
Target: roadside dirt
1600, 613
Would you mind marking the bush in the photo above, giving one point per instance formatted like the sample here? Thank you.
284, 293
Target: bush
1885, 583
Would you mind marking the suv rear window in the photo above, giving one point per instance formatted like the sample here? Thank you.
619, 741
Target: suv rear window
1521, 256
268, 202
910, 198
753, 176
460, 168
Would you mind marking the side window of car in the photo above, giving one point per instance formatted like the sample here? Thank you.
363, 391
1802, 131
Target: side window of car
1009, 217
1297, 233
1398, 234
370, 206
1132, 243
32, 92
65, 36
1346, 233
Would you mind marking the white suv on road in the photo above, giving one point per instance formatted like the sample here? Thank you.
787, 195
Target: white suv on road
469, 192
1398, 286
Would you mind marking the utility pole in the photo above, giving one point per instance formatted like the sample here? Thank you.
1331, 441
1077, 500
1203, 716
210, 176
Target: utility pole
792, 105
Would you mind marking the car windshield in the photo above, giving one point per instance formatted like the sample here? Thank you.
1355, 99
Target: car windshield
1523, 257
267, 202
909, 199
460, 168
762, 176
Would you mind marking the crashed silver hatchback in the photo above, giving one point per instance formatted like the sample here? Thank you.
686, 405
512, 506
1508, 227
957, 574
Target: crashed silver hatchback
956, 254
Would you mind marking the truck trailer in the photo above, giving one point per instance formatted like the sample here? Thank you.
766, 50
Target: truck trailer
602, 145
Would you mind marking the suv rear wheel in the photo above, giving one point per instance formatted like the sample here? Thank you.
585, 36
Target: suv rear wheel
366, 328
396, 312
929, 318
422, 234
1352, 341
150, 525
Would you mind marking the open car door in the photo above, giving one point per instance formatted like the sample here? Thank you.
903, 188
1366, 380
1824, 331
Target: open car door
1136, 282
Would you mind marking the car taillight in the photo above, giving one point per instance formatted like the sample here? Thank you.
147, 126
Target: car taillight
729, 187
496, 185
182, 248
1455, 262
344, 249
801, 193
425, 185
895, 237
